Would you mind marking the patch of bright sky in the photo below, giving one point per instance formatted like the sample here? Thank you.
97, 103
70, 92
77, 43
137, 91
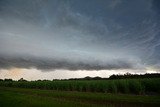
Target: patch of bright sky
34, 74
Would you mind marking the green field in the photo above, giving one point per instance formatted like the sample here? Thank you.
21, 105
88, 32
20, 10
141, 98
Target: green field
20, 97
81, 93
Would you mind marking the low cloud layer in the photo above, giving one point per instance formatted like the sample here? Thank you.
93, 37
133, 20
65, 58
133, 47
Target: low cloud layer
51, 64
79, 34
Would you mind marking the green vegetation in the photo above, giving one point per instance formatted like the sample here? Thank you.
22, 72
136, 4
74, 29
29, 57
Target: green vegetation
117, 91
18, 97
87, 92
123, 86
34, 98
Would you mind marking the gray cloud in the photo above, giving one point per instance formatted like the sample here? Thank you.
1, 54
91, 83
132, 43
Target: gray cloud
48, 64
79, 35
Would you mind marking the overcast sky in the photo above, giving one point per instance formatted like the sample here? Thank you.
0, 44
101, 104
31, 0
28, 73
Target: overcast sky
70, 38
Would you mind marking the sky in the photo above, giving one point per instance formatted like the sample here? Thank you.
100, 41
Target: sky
58, 39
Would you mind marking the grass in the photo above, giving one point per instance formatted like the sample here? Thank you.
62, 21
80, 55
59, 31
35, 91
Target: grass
18, 97
10, 97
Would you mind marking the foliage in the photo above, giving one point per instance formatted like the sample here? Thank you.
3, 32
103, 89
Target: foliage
125, 86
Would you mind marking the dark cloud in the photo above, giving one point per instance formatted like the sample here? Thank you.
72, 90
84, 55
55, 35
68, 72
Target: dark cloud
79, 34
156, 6
48, 64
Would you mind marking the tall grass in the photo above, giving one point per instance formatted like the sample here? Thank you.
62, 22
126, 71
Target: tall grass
125, 86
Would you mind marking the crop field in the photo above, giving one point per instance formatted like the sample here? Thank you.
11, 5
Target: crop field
81, 93
122, 86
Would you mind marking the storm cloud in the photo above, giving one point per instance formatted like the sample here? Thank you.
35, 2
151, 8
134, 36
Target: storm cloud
79, 34
48, 64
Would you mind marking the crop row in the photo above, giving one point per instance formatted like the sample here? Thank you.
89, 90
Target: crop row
126, 86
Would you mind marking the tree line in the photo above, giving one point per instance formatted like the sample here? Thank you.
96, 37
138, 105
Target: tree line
114, 76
